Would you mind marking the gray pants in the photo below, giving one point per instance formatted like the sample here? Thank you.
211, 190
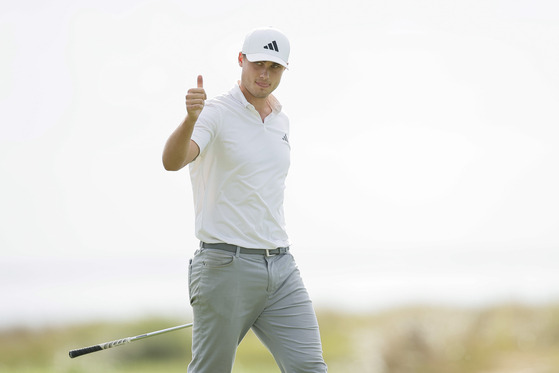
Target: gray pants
231, 293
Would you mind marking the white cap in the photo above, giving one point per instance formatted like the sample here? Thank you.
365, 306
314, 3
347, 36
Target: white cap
266, 44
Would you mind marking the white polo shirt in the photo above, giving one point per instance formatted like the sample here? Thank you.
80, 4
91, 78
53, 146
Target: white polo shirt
238, 180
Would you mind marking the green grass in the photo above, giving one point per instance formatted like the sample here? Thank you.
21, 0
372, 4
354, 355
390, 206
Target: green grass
504, 339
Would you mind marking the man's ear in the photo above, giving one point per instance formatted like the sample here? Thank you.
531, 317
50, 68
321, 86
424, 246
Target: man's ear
240, 59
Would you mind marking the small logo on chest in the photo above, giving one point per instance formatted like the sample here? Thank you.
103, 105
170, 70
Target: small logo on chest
284, 138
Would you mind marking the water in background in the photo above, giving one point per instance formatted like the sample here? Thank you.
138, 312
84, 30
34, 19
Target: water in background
43, 291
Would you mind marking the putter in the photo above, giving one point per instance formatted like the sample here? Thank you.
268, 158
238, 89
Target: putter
120, 342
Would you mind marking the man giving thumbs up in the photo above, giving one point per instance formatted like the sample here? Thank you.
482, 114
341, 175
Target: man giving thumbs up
180, 150
243, 276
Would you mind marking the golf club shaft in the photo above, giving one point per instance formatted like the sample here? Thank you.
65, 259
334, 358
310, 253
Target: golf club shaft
120, 342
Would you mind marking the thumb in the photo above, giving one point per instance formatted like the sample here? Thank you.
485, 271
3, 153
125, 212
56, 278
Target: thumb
200, 81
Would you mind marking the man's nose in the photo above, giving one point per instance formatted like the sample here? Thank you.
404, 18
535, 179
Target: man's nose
264, 73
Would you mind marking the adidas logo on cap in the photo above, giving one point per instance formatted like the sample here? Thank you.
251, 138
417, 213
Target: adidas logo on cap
272, 46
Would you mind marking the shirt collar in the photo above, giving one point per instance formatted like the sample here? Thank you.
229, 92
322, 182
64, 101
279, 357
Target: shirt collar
239, 96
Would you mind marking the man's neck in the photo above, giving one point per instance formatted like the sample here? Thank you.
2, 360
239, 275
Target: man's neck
261, 105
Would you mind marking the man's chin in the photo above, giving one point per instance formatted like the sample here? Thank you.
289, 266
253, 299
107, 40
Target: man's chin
260, 93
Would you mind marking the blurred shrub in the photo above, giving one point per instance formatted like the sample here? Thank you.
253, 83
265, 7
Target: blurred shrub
503, 339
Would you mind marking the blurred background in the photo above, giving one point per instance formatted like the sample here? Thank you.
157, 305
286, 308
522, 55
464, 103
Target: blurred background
421, 201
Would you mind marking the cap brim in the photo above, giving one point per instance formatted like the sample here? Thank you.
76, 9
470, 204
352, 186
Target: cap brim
256, 57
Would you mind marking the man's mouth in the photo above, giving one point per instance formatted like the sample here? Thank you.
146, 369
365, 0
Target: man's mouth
263, 84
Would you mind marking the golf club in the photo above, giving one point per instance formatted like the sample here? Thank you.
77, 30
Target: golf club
120, 342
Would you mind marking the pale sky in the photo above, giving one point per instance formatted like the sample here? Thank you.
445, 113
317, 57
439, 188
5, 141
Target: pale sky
425, 150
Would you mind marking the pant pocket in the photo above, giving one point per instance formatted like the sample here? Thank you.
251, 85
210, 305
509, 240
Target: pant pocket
194, 272
190, 280
217, 258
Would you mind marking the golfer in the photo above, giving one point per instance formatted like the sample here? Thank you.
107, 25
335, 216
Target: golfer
243, 276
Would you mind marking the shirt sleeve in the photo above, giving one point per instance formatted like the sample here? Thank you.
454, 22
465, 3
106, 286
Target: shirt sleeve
205, 128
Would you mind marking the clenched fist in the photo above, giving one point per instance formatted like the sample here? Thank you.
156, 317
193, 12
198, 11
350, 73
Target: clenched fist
195, 99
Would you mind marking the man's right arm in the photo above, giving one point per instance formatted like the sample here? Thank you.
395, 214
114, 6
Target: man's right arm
180, 150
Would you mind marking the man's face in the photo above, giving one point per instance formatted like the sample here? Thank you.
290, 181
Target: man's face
260, 78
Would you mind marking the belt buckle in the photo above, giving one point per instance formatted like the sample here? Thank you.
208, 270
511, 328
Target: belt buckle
268, 255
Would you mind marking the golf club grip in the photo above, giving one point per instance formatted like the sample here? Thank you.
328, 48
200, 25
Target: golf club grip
120, 342
85, 350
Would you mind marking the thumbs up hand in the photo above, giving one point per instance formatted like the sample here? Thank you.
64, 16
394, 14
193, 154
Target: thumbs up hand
195, 99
